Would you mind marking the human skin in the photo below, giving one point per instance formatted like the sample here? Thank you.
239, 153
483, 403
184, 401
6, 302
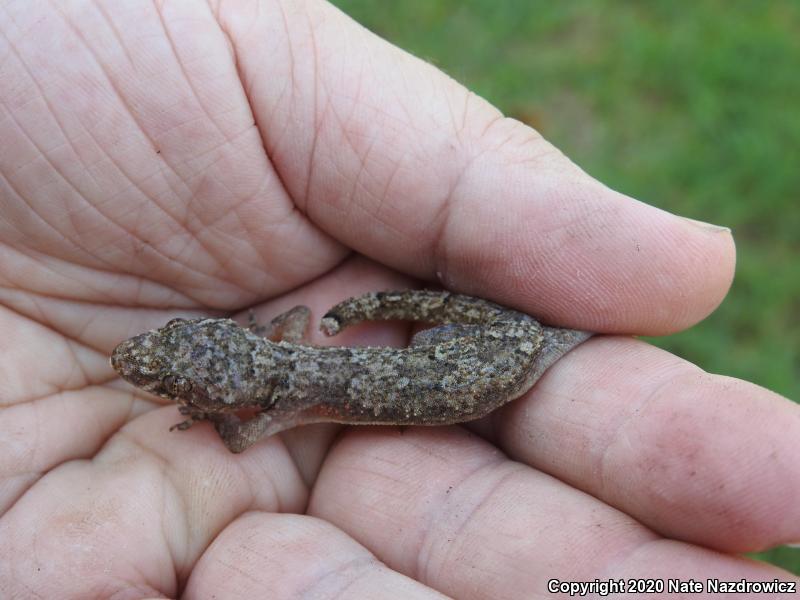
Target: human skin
191, 158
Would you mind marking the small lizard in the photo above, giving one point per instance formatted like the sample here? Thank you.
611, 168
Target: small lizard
481, 356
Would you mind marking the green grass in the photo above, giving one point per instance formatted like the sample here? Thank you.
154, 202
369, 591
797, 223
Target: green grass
689, 106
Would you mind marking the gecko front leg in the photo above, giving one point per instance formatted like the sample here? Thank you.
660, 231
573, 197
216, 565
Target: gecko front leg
289, 326
239, 434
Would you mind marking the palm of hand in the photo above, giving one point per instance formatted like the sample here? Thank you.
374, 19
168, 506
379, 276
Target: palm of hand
195, 166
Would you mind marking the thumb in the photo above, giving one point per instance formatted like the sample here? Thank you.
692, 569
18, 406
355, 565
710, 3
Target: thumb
401, 163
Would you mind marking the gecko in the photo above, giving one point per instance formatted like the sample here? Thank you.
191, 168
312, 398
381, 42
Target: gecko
256, 381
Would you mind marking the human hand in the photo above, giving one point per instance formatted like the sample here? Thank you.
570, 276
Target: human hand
176, 160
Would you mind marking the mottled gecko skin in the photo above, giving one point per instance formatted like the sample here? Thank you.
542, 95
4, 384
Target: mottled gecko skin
480, 357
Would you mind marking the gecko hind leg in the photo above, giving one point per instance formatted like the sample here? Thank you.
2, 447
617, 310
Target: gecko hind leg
443, 333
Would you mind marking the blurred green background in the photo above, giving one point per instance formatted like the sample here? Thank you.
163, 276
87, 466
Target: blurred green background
689, 106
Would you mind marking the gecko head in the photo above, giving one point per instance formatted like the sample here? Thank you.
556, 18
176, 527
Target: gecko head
196, 363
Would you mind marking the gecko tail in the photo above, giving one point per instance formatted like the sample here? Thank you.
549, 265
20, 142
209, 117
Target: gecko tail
557, 342
423, 306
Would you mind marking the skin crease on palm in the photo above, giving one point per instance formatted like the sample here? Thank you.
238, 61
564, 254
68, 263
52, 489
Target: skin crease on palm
189, 158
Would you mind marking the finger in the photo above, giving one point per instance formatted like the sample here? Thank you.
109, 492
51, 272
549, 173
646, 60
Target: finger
53, 406
291, 556
140, 513
444, 507
697, 457
400, 162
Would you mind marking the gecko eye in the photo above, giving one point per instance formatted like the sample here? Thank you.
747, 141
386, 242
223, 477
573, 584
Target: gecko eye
177, 386
174, 322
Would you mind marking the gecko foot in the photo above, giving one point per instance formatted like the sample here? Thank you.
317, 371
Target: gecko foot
183, 425
289, 326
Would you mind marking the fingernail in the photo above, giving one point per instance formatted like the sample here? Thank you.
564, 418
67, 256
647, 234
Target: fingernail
707, 226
